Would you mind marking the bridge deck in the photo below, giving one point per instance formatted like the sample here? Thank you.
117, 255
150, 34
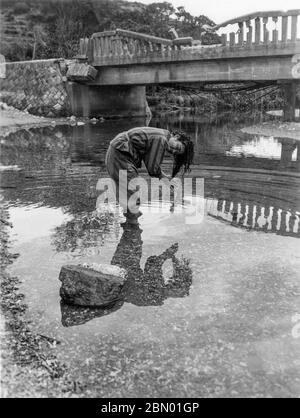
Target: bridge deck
230, 70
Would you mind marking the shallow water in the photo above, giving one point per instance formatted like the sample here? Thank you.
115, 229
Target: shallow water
223, 325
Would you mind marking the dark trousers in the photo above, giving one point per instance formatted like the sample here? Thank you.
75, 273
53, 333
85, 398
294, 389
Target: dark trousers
115, 162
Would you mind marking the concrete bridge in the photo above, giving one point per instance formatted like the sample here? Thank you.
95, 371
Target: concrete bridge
112, 68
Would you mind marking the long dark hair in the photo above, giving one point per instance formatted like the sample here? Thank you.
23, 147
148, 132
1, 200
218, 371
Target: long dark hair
186, 159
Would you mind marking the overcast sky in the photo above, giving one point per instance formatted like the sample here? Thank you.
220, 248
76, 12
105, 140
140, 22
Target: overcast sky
219, 10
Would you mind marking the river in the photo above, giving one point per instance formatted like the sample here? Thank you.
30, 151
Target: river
223, 325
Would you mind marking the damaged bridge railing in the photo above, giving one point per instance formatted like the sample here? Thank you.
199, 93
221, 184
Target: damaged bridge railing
259, 33
122, 46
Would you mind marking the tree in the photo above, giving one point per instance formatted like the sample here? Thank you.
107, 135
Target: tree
189, 25
39, 35
21, 8
72, 21
159, 18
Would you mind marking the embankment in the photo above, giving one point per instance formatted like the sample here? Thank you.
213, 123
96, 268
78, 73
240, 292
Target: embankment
38, 87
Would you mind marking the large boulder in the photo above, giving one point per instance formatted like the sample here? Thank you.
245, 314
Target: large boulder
91, 285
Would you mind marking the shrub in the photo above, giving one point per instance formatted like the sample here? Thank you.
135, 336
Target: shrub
10, 17
21, 8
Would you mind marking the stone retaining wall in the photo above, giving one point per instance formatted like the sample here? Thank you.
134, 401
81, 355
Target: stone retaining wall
36, 86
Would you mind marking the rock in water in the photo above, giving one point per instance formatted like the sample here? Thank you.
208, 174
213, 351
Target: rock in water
91, 285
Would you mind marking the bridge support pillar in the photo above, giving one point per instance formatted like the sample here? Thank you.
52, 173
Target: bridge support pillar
117, 101
290, 100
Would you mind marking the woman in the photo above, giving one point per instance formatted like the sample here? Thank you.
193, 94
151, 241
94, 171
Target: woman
129, 149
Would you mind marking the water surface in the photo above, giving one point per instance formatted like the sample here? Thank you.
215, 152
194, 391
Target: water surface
222, 326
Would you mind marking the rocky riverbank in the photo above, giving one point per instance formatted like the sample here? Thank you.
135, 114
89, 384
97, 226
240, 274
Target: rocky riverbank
26, 356
12, 119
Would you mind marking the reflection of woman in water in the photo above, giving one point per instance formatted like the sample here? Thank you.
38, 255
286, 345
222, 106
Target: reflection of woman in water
143, 287
148, 287
129, 149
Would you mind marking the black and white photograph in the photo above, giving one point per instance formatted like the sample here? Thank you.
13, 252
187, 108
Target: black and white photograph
149, 202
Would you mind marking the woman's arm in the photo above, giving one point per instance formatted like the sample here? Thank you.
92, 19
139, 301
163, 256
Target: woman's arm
155, 155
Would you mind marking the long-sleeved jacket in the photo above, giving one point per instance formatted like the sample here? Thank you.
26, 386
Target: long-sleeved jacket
143, 144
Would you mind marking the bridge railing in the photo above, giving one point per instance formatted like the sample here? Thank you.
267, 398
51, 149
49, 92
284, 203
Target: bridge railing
262, 28
259, 32
122, 46
84, 46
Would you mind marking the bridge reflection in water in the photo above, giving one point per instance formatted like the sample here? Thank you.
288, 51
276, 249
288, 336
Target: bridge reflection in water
255, 216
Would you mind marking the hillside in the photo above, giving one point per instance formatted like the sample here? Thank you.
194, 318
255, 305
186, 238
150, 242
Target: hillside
52, 28
14, 32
